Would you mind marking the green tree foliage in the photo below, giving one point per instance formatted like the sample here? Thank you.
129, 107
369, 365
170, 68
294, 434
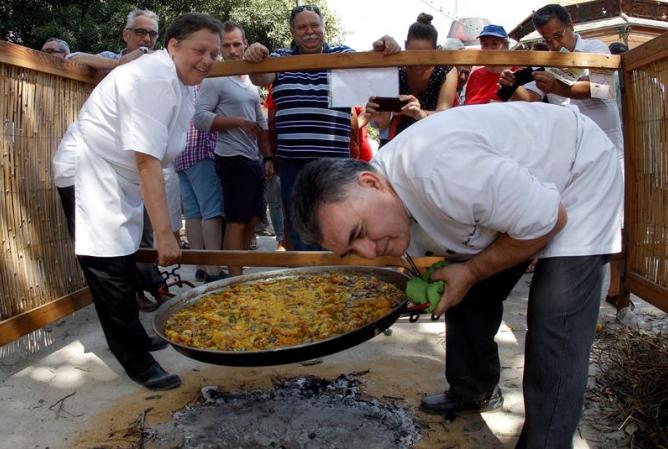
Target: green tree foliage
96, 25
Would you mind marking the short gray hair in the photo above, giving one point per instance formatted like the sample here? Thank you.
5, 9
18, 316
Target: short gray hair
62, 45
141, 12
323, 181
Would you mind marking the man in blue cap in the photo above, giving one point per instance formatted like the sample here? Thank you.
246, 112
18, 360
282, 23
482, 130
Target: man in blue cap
483, 82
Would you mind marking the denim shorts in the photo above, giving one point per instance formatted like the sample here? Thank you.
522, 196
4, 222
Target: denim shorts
201, 192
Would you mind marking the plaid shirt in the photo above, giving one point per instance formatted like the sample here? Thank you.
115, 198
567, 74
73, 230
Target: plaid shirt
199, 145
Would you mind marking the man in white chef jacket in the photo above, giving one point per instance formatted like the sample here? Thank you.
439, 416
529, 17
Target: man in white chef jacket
489, 187
131, 127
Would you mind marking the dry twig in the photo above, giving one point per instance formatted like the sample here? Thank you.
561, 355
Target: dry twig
632, 384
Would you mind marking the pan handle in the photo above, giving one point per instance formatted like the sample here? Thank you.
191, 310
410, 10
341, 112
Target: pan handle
414, 311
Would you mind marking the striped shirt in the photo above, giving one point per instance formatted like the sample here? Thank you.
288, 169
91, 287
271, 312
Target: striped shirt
305, 126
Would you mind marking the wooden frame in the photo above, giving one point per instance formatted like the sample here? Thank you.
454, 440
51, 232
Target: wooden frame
17, 326
644, 118
414, 57
17, 55
12, 54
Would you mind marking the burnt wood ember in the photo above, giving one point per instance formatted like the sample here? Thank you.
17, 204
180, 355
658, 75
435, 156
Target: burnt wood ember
300, 413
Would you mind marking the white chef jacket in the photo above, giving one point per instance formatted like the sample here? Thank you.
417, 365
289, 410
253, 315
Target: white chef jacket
140, 106
604, 112
467, 174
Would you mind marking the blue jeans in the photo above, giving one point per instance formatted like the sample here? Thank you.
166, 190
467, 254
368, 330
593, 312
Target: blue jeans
563, 306
289, 169
564, 301
272, 196
201, 191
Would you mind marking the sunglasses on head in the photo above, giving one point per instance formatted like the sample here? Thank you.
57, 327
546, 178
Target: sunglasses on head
297, 9
142, 32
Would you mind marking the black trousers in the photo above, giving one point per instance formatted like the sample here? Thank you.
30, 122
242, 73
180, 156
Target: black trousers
112, 284
67, 200
472, 365
147, 276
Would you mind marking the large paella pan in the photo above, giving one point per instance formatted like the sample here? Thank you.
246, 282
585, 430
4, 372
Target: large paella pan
358, 278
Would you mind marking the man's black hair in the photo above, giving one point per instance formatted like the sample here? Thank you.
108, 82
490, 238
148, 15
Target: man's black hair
190, 23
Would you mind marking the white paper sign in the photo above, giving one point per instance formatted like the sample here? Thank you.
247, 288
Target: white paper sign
602, 85
353, 87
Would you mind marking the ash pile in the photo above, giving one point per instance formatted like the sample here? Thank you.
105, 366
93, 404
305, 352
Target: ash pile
300, 413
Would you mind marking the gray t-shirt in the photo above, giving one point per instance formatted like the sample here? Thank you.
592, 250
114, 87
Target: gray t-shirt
230, 96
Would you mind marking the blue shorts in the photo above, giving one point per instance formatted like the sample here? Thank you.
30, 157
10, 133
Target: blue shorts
243, 188
201, 192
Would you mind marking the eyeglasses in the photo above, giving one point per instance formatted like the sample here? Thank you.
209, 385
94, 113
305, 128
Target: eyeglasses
53, 50
297, 9
142, 32
558, 36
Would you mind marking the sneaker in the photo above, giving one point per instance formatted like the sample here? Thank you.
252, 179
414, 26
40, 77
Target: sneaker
449, 402
156, 343
216, 277
200, 275
144, 304
156, 378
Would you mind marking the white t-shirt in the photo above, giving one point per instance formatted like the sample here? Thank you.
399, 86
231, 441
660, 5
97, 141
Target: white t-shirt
142, 107
466, 175
604, 112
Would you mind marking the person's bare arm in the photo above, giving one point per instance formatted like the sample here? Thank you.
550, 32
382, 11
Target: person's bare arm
504, 253
507, 78
448, 91
155, 201
379, 119
221, 123
95, 61
264, 143
549, 84
256, 53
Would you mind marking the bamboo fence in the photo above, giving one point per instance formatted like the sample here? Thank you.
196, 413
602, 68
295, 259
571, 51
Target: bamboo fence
646, 134
37, 263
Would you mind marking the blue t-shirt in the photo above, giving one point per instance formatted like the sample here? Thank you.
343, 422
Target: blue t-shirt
305, 126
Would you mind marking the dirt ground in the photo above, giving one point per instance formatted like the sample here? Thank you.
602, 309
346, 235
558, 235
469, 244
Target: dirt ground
62, 388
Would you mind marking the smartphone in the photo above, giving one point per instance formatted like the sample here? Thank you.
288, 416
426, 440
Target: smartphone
392, 104
522, 77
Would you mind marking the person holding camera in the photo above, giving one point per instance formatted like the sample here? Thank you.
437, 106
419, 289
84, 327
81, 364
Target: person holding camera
423, 89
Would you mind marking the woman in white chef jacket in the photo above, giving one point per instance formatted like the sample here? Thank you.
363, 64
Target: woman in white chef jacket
133, 125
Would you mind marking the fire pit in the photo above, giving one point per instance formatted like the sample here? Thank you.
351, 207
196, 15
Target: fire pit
299, 413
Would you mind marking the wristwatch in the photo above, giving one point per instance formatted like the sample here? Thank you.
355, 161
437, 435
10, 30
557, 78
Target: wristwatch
143, 49
267, 158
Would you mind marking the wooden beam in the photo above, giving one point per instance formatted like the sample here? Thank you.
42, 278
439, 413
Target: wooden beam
280, 258
649, 52
288, 258
649, 291
17, 326
415, 57
20, 56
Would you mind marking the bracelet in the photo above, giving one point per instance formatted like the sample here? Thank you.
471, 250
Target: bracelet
268, 158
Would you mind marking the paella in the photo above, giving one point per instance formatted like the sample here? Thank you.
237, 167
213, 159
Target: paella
282, 312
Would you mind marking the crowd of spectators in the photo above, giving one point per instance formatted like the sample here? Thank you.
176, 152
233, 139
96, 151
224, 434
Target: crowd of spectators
244, 154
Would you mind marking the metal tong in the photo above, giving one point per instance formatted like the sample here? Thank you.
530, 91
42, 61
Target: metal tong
414, 311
